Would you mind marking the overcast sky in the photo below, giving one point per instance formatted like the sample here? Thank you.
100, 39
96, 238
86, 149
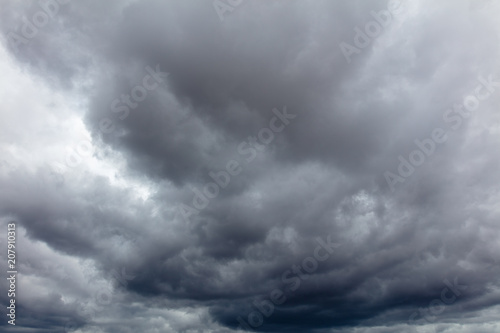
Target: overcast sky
270, 166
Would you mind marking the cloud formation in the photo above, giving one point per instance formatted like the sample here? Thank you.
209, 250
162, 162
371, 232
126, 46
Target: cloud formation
185, 166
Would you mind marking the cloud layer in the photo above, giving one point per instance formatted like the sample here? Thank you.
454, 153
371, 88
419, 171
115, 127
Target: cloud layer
189, 166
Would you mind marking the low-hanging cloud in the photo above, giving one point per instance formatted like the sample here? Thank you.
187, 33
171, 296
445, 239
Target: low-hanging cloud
168, 162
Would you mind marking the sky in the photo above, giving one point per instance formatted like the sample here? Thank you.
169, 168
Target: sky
250, 166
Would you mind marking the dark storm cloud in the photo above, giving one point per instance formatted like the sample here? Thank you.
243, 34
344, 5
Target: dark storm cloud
323, 174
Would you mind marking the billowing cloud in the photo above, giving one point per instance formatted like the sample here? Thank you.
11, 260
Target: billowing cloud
285, 166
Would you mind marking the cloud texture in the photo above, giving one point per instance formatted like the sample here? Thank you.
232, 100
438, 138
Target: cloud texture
284, 166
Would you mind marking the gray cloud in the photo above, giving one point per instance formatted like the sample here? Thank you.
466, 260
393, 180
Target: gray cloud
115, 207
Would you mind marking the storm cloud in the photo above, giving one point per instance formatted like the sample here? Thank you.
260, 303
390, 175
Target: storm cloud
251, 165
